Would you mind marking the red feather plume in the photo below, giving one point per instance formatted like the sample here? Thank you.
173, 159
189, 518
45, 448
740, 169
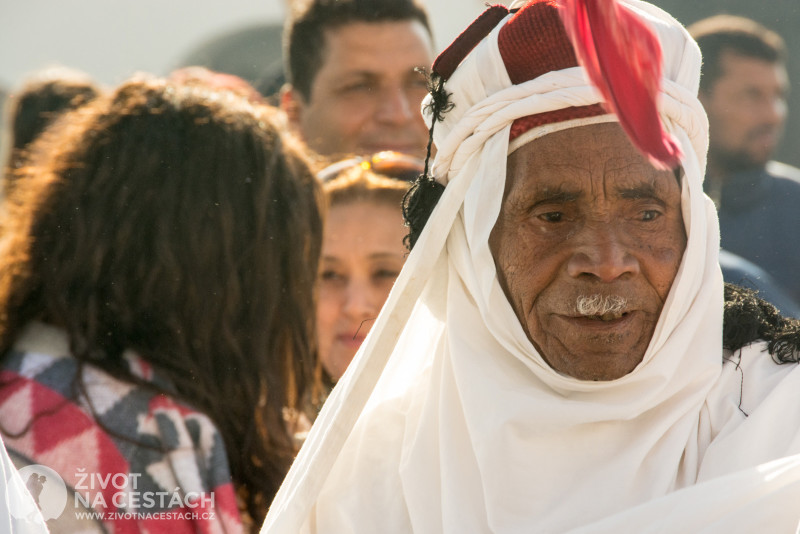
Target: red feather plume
623, 59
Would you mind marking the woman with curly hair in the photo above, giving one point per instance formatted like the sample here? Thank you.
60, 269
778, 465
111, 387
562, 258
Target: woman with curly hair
156, 294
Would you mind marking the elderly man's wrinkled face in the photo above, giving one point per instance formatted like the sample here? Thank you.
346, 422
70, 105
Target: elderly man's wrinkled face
587, 244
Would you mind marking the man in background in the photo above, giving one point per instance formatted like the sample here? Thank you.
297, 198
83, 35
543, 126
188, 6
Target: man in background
743, 89
353, 81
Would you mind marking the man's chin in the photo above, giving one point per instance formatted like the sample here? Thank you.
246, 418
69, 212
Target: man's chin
597, 366
592, 349
742, 161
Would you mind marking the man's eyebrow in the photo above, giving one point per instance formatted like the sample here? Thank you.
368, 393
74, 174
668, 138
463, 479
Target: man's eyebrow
359, 74
640, 191
556, 196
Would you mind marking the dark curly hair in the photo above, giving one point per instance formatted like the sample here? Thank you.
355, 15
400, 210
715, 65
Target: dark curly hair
178, 222
43, 97
749, 318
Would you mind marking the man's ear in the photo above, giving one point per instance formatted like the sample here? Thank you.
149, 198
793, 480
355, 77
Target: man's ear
292, 104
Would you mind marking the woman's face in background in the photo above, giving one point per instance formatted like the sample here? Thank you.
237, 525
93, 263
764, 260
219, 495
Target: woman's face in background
362, 254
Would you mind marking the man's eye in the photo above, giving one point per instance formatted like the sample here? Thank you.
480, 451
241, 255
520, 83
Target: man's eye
418, 83
650, 215
357, 87
552, 216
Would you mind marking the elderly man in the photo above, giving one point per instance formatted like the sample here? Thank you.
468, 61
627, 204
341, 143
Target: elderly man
352, 67
552, 357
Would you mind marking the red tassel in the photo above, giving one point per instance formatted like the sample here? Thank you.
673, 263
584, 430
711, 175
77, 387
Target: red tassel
623, 59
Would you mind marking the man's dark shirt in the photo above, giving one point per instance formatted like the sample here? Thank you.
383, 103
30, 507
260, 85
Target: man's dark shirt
759, 217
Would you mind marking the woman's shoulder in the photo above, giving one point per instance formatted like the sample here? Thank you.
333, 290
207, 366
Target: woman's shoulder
42, 358
90, 426
43, 388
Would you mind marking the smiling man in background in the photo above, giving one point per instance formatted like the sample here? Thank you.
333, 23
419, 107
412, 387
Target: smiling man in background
353, 84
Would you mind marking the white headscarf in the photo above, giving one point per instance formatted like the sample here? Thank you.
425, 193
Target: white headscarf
466, 428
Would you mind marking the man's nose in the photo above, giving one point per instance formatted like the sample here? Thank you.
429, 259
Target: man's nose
395, 106
602, 254
775, 111
771, 109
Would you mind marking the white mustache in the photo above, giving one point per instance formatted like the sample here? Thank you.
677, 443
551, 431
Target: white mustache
589, 305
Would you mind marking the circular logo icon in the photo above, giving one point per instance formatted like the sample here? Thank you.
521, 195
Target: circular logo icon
47, 488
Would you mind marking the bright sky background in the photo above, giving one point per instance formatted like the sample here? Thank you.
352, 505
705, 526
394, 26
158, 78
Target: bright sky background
112, 39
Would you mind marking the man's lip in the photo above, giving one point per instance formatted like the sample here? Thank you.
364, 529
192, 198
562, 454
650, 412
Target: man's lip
589, 323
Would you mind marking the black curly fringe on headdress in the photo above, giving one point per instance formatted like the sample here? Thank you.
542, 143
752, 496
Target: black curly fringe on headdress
424, 194
748, 318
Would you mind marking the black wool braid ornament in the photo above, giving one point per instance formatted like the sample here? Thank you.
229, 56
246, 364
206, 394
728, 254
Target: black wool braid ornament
424, 194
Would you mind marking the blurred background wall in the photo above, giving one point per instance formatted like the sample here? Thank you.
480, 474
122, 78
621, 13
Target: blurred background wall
112, 39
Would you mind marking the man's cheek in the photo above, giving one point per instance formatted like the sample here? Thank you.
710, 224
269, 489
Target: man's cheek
518, 280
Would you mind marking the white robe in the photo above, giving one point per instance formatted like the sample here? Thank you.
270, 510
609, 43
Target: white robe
449, 420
